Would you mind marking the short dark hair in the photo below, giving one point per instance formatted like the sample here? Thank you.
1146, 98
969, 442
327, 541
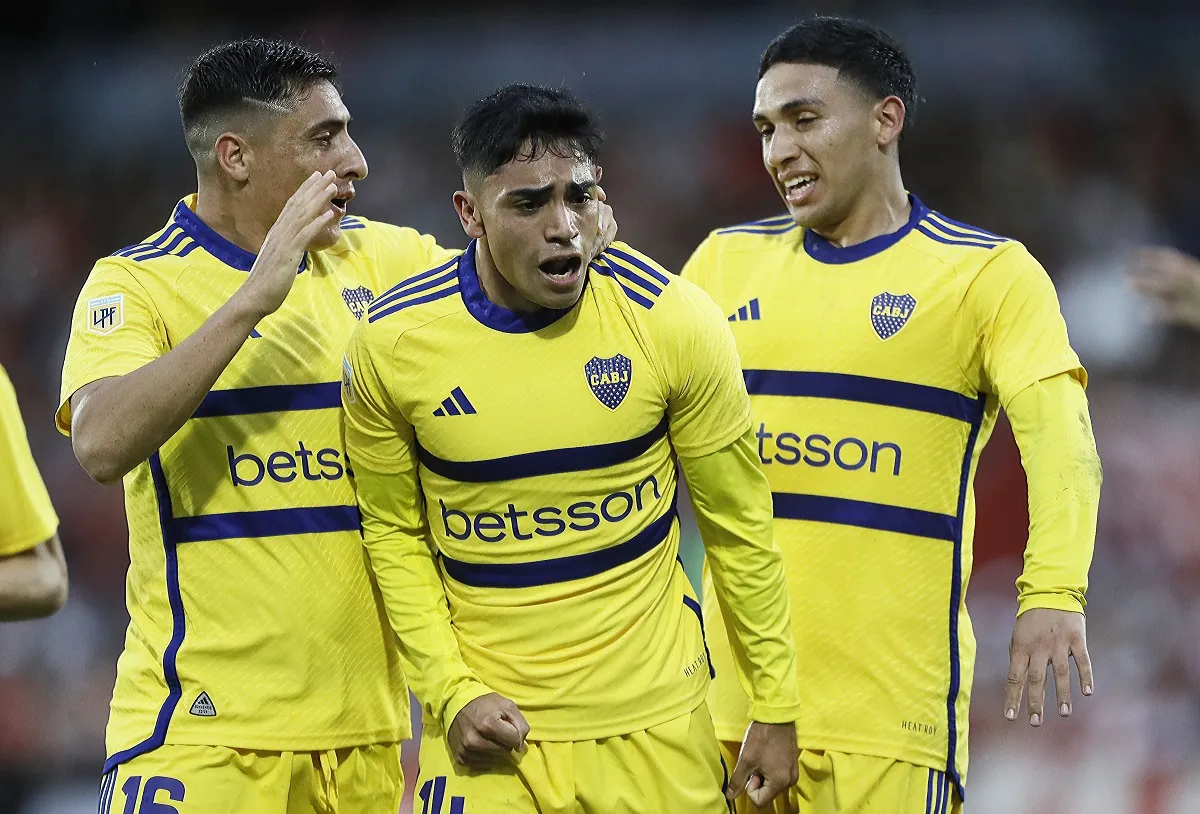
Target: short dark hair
524, 122
245, 74
862, 53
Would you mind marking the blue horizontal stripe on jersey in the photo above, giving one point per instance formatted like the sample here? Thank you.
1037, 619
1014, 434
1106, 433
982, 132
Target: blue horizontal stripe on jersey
958, 232
433, 282
969, 227
864, 389
750, 230
561, 569
400, 306
267, 523
399, 289
639, 264
275, 398
950, 241
606, 270
866, 515
635, 278
545, 462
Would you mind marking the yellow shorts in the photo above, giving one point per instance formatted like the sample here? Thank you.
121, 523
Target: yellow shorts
204, 779
673, 767
838, 783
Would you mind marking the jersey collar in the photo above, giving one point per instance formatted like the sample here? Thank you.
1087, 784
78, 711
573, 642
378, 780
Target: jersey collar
220, 248
823, 251
496, 316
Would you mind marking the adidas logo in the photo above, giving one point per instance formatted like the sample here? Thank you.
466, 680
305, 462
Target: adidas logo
747, 312
203, 706
456, 404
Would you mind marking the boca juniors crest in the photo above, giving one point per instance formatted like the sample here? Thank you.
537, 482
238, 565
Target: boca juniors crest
357, 299
889, 313
609, 379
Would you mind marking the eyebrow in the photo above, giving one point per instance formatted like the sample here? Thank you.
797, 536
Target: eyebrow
791, 107
535, 193
334, 124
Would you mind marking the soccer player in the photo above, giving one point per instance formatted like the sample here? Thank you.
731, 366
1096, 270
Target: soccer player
33, 573
204, 369
878, 340
514, 416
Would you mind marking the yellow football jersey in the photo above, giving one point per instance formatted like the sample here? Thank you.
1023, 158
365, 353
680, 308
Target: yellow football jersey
543, 446
27, 517
876, 372
254, 623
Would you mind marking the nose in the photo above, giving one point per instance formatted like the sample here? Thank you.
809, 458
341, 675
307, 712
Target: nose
354, 165
779, 149
560, 224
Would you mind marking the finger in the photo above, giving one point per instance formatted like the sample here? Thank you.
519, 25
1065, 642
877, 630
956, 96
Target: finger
500, 731
1035, 675
1083, 662
1014, 685
482, 743
514, 717
764, 793
739, 778
1062, 681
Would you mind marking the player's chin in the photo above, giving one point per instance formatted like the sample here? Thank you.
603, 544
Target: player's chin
326, 238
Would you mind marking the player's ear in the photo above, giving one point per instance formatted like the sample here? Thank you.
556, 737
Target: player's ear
889, 120
599, 173
233, 156
468, 213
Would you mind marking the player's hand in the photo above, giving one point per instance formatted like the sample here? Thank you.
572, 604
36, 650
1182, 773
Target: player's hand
487, 729
1041, 637
1171, 280
768, 765
304, 215
607, 222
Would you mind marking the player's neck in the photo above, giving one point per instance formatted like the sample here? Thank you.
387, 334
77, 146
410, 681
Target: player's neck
880, 210
497, 289
225, 218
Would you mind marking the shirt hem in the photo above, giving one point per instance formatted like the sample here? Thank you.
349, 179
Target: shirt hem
305, 743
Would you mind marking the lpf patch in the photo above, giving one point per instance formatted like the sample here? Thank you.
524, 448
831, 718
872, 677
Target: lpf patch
106, 314
890, 312
609, 379
357, 300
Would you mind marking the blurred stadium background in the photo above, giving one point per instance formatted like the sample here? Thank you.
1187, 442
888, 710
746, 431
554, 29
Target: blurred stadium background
1072, 126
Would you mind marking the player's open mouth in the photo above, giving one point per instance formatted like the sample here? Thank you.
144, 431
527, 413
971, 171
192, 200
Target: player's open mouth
562, 271
798, 189
340, 204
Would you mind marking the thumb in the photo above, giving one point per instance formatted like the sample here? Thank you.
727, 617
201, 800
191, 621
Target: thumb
741, 774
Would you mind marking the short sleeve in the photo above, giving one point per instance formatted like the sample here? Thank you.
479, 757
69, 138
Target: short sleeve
1016, 329
375, 433
707, 405
700, 265
27, 517
115, 328
402, 252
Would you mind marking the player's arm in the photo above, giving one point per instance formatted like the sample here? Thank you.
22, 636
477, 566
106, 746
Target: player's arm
33, 572
116, 422
709, 413
33, 582
1027, 361
480, 724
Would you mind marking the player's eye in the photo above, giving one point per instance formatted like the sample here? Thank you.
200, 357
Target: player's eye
324, 139
527, 205
803, 120
765, 132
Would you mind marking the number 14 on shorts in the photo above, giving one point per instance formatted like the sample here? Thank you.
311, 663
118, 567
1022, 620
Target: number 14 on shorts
433, 794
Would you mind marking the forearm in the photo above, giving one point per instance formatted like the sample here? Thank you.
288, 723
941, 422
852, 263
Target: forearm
118, 422
732, 502
413, 593
33, 583
1053, 431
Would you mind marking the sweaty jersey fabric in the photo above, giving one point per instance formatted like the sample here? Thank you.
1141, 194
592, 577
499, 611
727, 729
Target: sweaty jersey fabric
254, 622
876, 372
542, 446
